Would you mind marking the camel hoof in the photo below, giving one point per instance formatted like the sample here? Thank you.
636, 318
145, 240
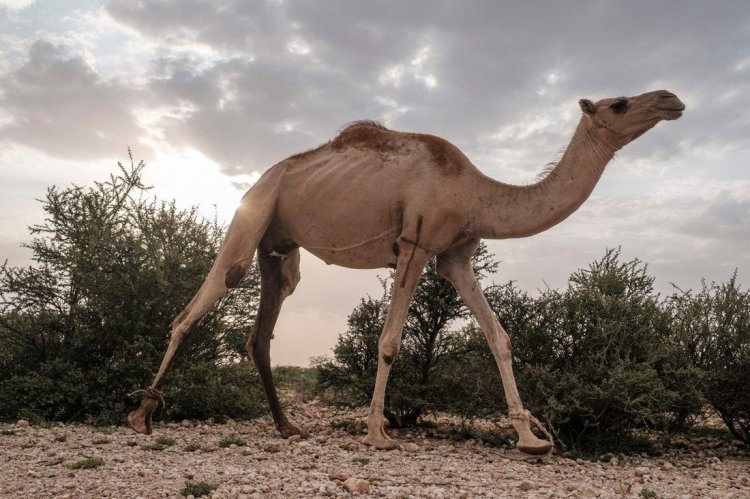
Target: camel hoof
534, 447
381, 443
290, 430
140, 419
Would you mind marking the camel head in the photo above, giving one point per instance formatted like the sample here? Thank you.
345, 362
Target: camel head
621, 120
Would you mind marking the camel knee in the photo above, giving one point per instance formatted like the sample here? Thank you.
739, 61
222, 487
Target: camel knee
179, 329
258, 351
178, 320
250, 345
388, 351
234, 274
506, 347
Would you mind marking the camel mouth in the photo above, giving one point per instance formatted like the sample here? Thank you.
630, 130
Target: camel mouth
671, 112
672, 109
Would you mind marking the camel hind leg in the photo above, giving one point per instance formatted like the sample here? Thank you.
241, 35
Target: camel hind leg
279, 276
232, 263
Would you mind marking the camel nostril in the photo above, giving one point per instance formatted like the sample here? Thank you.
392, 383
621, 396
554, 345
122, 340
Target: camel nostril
666, 94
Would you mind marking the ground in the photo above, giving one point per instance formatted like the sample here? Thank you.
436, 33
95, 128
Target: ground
248, 459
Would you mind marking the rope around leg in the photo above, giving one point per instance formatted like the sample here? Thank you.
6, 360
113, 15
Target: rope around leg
151, 393
527, 416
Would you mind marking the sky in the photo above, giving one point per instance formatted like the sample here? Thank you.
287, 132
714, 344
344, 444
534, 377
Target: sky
212, 93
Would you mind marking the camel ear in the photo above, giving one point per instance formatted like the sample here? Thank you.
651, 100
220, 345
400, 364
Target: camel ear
587, 106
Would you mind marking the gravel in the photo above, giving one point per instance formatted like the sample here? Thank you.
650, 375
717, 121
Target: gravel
36, 462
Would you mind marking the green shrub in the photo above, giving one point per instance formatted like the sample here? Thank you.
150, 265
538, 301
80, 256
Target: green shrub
595, 361
300, 380
89, 321
713, 326
197, 489
205, 390
88, 463
166, 441
598, 359
226, 442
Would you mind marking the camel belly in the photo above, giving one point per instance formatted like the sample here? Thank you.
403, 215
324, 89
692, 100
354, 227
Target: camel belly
370, 253
347, 213
349, 240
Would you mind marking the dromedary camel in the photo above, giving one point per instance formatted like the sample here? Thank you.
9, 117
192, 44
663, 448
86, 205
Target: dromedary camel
373, 197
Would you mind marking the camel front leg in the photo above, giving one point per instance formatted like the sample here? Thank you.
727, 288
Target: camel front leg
460, 273
412, 260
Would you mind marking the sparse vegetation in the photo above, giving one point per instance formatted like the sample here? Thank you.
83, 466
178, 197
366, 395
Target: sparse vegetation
271, 448
226, 442
349, 425
363, 461
101, 441
197, 489
153, 446
191, 447
7, 432
61, 438
300, 380
88, 463
166, 441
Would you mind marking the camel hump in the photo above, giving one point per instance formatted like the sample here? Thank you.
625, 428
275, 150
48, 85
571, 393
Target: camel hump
366, 134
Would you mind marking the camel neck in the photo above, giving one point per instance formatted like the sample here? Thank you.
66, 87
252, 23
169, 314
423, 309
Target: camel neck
508, 211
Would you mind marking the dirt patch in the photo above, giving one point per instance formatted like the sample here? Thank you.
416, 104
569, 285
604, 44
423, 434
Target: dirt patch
247, 459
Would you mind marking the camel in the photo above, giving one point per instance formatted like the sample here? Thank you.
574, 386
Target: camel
374, 198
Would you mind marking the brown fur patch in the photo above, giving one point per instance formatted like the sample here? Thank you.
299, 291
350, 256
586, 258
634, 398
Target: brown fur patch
234, 274
366, 135
447, 157
308, 152
388, 359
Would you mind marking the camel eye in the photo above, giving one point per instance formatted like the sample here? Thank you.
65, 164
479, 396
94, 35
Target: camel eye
620, 105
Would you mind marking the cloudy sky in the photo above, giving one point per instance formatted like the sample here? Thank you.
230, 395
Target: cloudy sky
213, 93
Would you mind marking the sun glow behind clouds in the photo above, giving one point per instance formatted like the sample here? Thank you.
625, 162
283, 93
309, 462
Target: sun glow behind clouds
192, 179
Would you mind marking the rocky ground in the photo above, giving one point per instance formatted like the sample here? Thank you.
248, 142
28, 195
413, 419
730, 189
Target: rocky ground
247, 459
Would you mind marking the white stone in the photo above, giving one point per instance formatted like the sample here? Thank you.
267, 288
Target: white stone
357, 485
293, 439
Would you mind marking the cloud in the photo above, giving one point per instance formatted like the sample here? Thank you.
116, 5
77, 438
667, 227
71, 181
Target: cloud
244, 84
724, 218
467, 74
58, 104
15, 5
